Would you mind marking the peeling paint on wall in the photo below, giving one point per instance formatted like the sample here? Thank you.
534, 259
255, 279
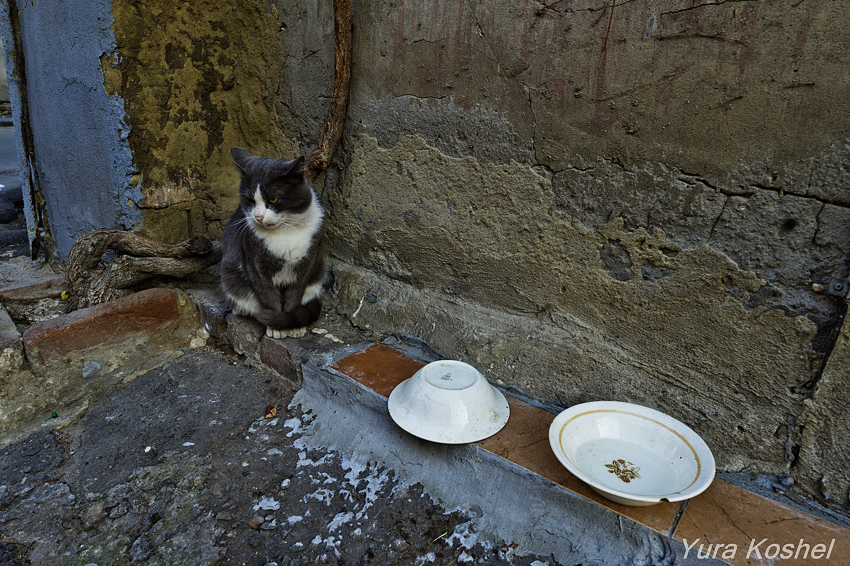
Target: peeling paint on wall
82, 162
197, 79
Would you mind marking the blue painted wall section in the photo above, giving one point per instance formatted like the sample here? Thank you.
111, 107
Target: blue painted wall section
14, 74
82, 160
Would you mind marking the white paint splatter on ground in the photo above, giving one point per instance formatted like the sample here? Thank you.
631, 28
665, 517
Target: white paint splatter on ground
370, 484
295, 424
339, 520
303, 460
267, 504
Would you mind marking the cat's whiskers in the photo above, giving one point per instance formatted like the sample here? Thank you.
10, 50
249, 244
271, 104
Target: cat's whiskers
282, 222
241, 225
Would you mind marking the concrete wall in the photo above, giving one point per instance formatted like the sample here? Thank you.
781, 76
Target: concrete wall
83, 167
630, 211
585, 204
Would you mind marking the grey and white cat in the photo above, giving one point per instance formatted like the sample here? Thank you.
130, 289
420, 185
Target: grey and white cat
272, 268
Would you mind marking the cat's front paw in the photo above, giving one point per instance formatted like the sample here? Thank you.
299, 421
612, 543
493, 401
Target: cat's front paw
295, 332
272, 333
291, 333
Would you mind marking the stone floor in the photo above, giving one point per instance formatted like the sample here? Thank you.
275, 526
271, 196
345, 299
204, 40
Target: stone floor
202, 459
180, 465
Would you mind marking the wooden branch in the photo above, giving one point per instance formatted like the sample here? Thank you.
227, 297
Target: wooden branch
89, 248
142, 259
320, 158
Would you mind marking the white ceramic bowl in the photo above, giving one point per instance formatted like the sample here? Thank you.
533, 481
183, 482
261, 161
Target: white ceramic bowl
449, 402
631, 454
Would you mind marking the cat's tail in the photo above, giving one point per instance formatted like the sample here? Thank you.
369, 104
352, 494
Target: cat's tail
299, 318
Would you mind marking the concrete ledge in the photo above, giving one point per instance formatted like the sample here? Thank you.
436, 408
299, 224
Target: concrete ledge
519, 491
507, 501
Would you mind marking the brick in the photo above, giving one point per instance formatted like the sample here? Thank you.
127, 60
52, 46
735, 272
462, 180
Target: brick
132, 316
378, 367
243, 334
728, 514
275, 354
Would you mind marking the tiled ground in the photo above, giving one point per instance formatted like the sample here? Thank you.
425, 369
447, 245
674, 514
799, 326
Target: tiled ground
726, 521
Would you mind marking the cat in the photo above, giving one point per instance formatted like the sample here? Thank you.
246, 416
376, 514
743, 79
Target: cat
272, 267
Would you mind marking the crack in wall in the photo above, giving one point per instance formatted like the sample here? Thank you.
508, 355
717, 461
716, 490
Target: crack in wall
705, 5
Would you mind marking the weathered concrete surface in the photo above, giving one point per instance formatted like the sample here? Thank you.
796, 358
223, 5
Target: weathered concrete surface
633, 212
74, 359
520, 288
205, 81
824, 457
181, 467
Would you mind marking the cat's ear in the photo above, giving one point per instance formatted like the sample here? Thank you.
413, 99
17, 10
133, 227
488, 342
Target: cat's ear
240, 158
298, 167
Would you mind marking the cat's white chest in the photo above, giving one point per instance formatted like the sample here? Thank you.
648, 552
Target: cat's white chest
290, 247
291, 243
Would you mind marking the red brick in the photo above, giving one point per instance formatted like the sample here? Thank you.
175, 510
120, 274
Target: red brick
378, 367
132, 316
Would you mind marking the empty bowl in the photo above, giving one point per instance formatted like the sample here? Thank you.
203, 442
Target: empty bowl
631, 454
448, 402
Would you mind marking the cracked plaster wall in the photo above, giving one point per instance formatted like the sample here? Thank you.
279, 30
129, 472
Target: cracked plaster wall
633, 211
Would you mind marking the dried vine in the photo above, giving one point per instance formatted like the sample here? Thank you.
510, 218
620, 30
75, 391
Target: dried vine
319, 159
140, 259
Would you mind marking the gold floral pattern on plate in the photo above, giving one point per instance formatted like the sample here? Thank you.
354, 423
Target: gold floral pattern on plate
624, 470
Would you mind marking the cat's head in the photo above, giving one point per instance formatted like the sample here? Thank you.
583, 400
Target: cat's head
272, 192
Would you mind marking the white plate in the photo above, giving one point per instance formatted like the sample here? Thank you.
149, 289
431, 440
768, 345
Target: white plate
631, 454
449, 402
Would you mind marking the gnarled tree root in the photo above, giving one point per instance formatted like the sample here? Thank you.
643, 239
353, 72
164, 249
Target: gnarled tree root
139, 259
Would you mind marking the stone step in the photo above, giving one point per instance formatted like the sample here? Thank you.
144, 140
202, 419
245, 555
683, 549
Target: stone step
76, 358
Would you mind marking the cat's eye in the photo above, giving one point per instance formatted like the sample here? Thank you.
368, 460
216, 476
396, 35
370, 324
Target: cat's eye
273, 200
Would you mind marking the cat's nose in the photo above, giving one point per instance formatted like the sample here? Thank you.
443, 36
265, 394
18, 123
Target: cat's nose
258, 217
